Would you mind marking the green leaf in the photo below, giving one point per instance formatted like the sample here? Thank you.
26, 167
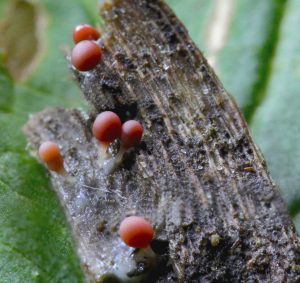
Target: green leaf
245, 61
6, 90
34, 242
276, 126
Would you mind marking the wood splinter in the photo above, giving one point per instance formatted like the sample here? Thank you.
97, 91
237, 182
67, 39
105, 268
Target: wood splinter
213, 221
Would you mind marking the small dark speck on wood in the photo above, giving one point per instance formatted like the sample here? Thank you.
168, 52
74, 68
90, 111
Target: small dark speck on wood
197, 176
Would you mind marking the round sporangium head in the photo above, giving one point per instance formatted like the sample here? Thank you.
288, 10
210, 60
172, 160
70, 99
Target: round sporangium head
136, 232
107, 127
132, 132
85, 32
50, 154
86, 55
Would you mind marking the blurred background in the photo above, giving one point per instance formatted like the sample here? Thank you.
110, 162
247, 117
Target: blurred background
254, 47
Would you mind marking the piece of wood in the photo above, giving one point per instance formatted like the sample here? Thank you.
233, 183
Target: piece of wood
197, 176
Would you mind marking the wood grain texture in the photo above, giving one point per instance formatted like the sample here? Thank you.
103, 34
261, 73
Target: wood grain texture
197, 176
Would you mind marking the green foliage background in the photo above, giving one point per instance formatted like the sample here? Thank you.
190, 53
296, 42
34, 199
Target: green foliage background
259, 64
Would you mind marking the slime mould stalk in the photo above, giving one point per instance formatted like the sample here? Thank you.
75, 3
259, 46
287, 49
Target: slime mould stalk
196, 176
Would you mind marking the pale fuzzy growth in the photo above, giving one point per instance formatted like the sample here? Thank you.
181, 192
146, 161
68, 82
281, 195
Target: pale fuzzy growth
93, 206
138, 267
110, 156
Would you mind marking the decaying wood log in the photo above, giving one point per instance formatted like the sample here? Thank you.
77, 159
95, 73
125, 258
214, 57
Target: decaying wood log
197, 176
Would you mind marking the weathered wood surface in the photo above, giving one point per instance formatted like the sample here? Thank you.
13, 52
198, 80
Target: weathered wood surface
197, 176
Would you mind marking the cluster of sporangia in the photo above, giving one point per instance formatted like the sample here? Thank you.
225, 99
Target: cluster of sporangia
135, 231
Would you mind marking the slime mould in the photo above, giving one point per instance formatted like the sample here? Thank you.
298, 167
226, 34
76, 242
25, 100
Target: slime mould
213, 220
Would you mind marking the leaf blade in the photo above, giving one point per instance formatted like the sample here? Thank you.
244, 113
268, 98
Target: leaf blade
275, 126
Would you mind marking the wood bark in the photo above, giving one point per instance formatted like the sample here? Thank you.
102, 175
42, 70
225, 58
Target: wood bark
197, 175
